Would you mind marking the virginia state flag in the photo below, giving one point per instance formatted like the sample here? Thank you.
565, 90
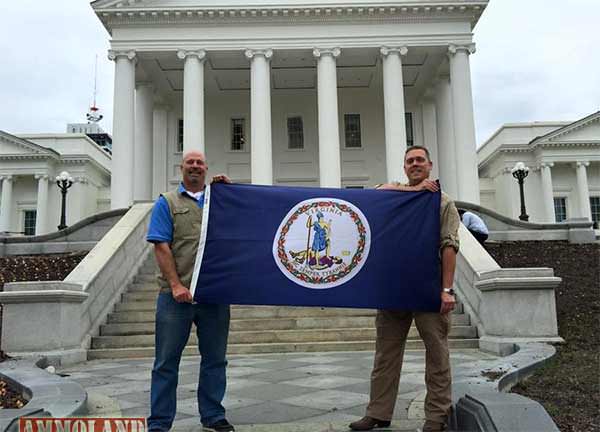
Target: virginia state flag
266, 245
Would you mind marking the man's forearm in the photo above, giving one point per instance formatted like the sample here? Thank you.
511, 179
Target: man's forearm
448, 266
166, 263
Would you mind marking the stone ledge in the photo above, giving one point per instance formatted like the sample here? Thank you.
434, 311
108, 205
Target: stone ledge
48, 394
42, 286
491, 396
528, 283
67, 231
39, 296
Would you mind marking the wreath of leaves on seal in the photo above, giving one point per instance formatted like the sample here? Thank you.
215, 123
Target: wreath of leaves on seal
362, 232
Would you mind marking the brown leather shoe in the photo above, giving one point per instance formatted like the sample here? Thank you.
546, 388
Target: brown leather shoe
368, 423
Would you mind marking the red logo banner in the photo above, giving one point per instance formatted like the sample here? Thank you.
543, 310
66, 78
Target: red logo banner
82, 424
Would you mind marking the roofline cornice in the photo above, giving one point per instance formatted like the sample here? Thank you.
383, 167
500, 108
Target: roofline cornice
507, 148
384, 11
83, 159
570, 127
25, 156
33, 147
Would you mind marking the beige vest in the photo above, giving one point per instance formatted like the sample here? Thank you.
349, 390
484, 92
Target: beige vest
187, 221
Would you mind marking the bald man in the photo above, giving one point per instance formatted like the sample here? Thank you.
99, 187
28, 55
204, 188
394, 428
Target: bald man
175, 232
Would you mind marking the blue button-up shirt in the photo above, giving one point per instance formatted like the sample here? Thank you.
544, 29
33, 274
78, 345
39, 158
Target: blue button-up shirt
160, 229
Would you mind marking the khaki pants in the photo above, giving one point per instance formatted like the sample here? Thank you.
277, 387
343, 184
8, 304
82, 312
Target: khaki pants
392, 331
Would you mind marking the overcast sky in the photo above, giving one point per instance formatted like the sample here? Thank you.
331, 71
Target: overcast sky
536, 60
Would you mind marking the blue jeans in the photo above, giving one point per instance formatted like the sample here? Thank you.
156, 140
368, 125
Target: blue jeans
173, 324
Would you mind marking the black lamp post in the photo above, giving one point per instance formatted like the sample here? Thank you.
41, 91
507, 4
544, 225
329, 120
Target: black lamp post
64, 182
520, 171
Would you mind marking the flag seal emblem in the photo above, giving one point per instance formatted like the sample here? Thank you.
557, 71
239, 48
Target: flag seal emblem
322, 243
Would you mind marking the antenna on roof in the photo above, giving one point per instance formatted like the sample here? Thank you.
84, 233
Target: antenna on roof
93, 115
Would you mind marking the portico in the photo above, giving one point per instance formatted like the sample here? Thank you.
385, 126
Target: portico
29, 196
564, 163
318, 96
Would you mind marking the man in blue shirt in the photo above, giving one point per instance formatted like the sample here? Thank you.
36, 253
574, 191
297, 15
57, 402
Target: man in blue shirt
175, 232
475, 225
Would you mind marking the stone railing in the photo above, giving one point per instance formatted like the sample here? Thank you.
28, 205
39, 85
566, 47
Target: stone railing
508, 305
58, 318
503, 228
81, 236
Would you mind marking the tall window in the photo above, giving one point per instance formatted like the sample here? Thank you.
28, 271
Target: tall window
410, 137
180, 136
352, 130
29, 222
295, 128
595, 205
238, 137
560, 208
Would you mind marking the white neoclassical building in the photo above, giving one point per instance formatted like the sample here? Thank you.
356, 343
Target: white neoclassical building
295, 92
30, 200
564, 177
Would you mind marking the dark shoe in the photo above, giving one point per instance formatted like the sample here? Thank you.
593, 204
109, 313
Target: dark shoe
431, 426
219, 426
367, 423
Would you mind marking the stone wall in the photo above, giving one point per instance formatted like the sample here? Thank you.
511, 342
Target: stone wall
81, 236
508, 305
58, 318
503, 228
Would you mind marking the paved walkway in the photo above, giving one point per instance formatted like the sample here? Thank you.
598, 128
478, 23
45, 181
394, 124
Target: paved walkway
274, 392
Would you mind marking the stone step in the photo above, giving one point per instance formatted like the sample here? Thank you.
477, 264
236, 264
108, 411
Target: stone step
148, 270
367, 345
278, 336
143, 287
141, 277
257, 311
264, 324
145, 295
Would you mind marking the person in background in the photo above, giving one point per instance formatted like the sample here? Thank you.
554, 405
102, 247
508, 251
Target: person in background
475, 225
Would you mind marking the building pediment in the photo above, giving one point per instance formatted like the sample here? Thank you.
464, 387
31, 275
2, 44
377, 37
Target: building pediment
583, 131
14, 147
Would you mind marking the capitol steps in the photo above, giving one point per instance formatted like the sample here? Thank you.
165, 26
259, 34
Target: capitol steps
129, 331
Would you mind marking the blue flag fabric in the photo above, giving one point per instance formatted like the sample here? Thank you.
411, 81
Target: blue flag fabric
300, 246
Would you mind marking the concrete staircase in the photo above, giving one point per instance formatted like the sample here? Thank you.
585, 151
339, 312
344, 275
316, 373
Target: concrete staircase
129, 331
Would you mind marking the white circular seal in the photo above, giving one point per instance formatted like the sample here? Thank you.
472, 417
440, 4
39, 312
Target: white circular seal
322, 243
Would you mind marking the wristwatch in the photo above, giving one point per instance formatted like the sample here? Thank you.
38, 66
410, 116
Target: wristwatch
449, 291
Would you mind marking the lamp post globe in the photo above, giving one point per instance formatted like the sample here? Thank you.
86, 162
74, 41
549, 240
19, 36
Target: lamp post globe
64, 181
520, 171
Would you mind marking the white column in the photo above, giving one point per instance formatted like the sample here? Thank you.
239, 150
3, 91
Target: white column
41, 217
445, 137
159, 151
122, 174
261, 151
6, 203
142, 163
330, 171
395, 126
193, 99
547, 191
583, 191
464, 123
428, 115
